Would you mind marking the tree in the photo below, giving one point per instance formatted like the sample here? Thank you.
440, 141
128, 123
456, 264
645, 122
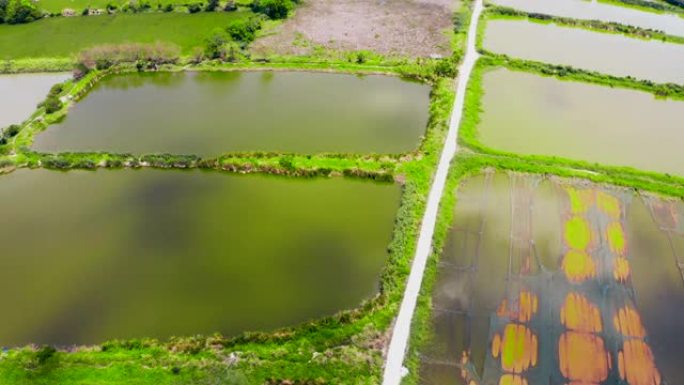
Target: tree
20, 11
214, 47
211, 5
275, 9
244, 30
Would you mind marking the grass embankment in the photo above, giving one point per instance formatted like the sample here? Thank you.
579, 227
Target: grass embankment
63, 37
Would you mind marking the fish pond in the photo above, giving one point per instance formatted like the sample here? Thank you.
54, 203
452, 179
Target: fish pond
210, 113
557, 281
611, 54
595, 10
530, 114
92, 256
19, 94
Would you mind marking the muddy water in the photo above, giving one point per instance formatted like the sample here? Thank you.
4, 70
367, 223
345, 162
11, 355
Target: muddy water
499, 219
593, 10
530, 114
217, 112
606, 53
19, 94
92, 256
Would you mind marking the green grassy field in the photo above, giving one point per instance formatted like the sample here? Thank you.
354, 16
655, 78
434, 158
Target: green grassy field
62, 36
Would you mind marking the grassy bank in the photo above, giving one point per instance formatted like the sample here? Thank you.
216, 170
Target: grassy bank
63, 37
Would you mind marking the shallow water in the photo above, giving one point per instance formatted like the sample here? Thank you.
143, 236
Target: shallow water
606, 53
493, 256
209, 113
19, 94
92, 256
530, 114
593, 10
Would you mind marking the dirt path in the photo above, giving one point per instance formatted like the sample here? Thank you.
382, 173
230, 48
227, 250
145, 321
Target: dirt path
394, 370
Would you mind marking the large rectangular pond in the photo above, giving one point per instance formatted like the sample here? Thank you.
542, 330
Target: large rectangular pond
550, 281
19, 94
210, 113
91, 256
593, 10
530, 114
611, 54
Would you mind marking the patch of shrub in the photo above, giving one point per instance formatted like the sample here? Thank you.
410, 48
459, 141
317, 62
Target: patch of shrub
18, 11
52, 104
194, 7
274, 9
230, 6
105, 56
168, 8
211, 6
244, 30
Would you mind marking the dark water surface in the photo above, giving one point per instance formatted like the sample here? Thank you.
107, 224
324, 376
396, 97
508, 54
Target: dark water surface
92, 256
210, 113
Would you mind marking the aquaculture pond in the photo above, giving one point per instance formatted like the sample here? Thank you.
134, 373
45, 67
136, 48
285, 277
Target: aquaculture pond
210, 113
93, 256
611, 54
19, 94
530, 114
593, 10
556, 281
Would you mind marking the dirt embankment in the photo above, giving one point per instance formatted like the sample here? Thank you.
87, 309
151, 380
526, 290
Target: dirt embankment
416, 28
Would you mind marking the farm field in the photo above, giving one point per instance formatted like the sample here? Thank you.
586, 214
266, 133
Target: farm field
395, 192
27, 90
66, 36
567, 262
56, 6
210, 113
529, 114
611, 54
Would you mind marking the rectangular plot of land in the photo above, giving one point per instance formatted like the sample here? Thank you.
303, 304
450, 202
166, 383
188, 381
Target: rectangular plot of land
611, 54
530, 114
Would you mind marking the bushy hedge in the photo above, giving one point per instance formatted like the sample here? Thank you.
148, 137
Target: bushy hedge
275, 9
107, 55
18, 11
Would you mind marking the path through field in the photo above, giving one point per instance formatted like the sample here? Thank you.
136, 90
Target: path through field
394, 370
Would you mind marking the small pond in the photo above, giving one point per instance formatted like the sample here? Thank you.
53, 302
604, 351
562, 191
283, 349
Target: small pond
210, 113
93, 256
556, 281
611, 54
530, 114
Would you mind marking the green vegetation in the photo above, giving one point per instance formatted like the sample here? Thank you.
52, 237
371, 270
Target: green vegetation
18, 11
275, 9
65, 37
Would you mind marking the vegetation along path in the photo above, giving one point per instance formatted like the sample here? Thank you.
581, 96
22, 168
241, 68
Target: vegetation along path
394, 369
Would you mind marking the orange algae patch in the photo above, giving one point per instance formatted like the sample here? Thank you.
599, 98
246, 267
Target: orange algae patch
578, 314
519, 348
512, 379
527, 306
578, 266
577, 233
608, 204
628, 322
583, 357
616, 238
496, 345
636, 364
622, 269
580, 200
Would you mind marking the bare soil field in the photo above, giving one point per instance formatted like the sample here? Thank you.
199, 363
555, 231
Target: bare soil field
416, 28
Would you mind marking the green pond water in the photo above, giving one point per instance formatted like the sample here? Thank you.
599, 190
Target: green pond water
500, 218
210, 113
93, 256
593, 10
19, 94
606, 53
530, 114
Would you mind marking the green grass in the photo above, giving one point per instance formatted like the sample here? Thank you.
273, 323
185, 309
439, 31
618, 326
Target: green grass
66, 36
56, 6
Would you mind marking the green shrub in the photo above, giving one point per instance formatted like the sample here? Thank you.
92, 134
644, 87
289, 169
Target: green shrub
211, 6
18, 11
244, 30
52, 104
275, 9
11, 131
194, 7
